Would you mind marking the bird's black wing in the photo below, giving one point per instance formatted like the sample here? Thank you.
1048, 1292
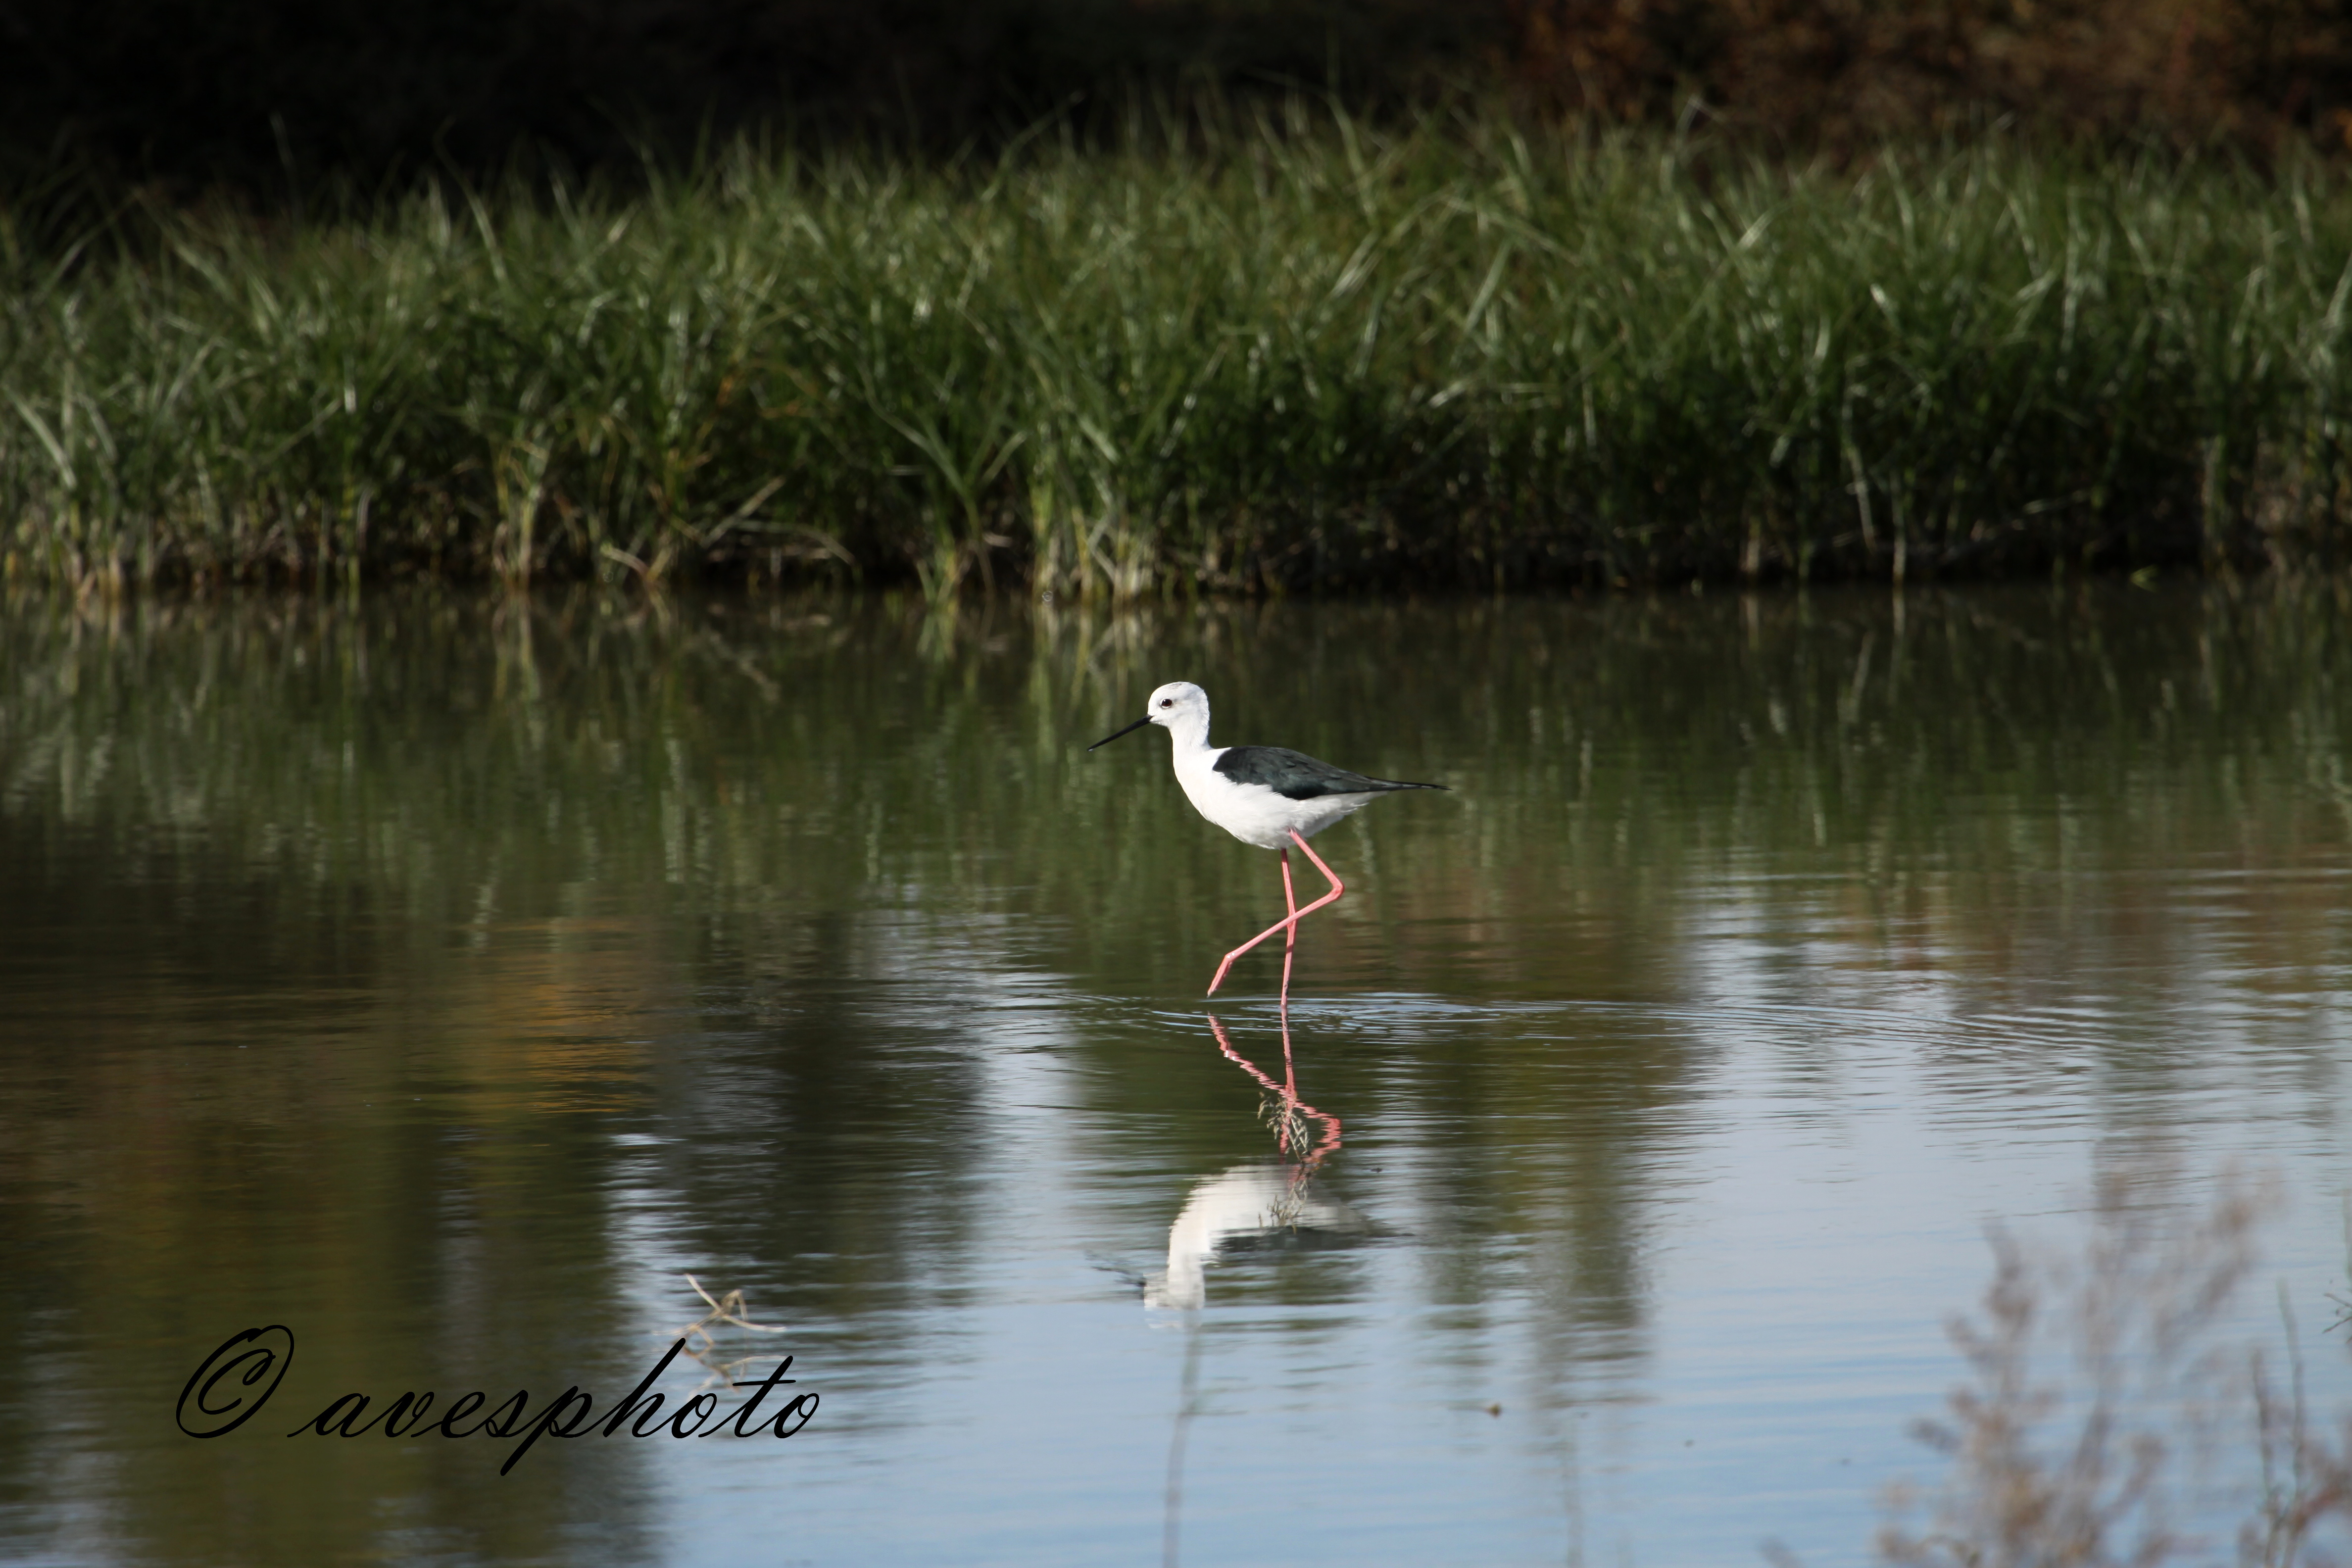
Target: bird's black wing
1295, 775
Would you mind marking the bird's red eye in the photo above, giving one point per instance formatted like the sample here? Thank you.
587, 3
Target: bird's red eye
1167, 702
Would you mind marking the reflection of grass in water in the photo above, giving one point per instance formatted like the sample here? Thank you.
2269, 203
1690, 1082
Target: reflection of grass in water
1232, 355
2088, 1469
1291, 1132
726, 1312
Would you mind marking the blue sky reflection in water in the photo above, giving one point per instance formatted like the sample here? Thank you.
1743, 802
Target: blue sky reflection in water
445, 979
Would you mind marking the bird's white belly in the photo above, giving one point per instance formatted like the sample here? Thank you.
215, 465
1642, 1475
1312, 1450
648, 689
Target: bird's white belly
1256, 815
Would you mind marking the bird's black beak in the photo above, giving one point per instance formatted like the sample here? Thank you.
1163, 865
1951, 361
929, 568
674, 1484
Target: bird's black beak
1130, 729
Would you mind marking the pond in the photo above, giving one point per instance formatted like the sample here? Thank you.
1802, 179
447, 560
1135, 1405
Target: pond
439, 982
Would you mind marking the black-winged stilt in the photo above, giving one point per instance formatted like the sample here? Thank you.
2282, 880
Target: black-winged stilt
1270, 796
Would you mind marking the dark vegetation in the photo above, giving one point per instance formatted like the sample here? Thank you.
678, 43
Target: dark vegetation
264, 94
272, 95
2260, 76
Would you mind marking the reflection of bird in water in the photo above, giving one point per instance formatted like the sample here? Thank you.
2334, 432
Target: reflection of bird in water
1269, 796
1256, 1201
1248, 1203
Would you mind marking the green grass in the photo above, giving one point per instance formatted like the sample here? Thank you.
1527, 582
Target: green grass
1253, 357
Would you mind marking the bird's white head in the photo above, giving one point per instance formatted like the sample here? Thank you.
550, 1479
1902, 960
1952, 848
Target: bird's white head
1179, 706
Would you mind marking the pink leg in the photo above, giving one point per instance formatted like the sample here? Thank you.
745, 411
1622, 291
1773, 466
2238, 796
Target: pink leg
1289, 942
1291, 922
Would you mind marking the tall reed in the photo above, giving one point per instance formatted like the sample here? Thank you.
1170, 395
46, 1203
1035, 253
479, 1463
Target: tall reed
1233, 355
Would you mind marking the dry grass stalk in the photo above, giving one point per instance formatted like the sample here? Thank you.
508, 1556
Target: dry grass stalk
2094, 1385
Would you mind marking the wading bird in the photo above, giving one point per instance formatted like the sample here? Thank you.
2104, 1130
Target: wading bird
1269, 796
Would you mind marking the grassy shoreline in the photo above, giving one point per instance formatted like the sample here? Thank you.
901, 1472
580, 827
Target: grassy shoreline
1263, 358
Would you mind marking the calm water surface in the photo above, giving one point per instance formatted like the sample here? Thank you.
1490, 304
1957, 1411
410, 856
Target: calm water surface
445, 979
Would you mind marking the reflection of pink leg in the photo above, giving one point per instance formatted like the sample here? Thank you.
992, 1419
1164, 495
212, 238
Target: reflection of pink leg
1291, 922
1289, 1073
1287, 1094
